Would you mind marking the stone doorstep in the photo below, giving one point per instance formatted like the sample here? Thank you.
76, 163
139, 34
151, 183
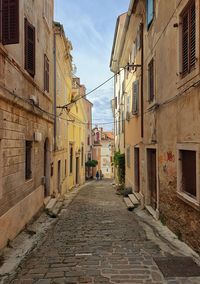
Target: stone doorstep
129, 204
51, 204
133, 199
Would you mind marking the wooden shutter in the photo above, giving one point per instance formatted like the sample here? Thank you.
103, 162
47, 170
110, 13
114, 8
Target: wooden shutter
192, 36
135, 95
188, 38
29, 48
151, 80
10, 21
46, 73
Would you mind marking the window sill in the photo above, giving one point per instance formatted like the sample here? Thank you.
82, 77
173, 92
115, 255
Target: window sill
188, 79
189, 200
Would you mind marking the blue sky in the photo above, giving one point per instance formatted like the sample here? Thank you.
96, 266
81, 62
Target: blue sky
90, 25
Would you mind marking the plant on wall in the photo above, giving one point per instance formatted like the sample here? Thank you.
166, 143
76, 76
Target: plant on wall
119, 162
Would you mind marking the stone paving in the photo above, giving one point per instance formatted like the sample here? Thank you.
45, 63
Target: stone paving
95, 240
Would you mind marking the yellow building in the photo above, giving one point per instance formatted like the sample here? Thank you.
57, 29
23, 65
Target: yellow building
76, 135
62, 96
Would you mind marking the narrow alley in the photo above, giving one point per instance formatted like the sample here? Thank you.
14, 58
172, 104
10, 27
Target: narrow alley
96, 240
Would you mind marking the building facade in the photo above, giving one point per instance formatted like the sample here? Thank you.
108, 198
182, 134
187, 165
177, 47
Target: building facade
26, 105
164, 146
62, 96
77, 129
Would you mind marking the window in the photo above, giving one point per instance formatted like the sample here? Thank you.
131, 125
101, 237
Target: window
82, 155
46, 73
28, 172
71, 159
149, 12
188, 172
128, 149
135, 97
29, 48
88, 139
9, 21
188, 38
151, 81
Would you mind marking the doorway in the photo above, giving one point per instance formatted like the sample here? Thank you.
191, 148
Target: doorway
137, 169
59, 173
46, 168
77, 170
152, 177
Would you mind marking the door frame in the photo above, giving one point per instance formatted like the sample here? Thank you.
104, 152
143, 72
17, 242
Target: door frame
155, 212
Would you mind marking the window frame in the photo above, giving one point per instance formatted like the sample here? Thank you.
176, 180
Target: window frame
27, 25
71, 156
46, 73
193, 201
28, 159
15, 38
151, 81
149, 21
187, 12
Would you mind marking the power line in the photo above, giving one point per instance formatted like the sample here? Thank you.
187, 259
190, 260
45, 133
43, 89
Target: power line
93, 90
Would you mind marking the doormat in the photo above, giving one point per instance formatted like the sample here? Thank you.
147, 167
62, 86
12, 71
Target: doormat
179, 266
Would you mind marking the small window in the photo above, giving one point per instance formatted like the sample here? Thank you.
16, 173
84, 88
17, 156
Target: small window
151, 81
188, 38
135, 97
188, 172
28, 172
71, 159
29, 48
149, 12
88, 139
9, 21
46, 73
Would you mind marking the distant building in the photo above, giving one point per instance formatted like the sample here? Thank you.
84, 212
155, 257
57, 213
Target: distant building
103, 149
88, 134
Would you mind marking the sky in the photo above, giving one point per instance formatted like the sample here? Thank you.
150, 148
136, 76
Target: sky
90, 26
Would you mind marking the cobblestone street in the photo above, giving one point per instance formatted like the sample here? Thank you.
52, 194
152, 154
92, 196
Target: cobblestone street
95, 240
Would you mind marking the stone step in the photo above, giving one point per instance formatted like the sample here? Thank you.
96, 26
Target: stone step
133, 199
51, 204
129, 204
137, 195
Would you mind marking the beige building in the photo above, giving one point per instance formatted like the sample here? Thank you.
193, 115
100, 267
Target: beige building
26, 96
76, 133
62, 96
165, 126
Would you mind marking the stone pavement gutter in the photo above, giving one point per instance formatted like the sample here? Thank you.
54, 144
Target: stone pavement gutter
33, 234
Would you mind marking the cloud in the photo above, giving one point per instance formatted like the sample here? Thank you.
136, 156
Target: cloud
90, 26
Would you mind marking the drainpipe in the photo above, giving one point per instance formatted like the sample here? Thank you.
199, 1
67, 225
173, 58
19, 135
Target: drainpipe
55, 103
142, 79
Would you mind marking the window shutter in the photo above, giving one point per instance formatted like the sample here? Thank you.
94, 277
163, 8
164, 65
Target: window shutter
188, 38
151, 80
10, 21
135, 95
29, 48
192, 36
185, 45
46, 73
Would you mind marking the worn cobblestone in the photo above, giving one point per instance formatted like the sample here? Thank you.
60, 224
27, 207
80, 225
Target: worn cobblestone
95, 240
